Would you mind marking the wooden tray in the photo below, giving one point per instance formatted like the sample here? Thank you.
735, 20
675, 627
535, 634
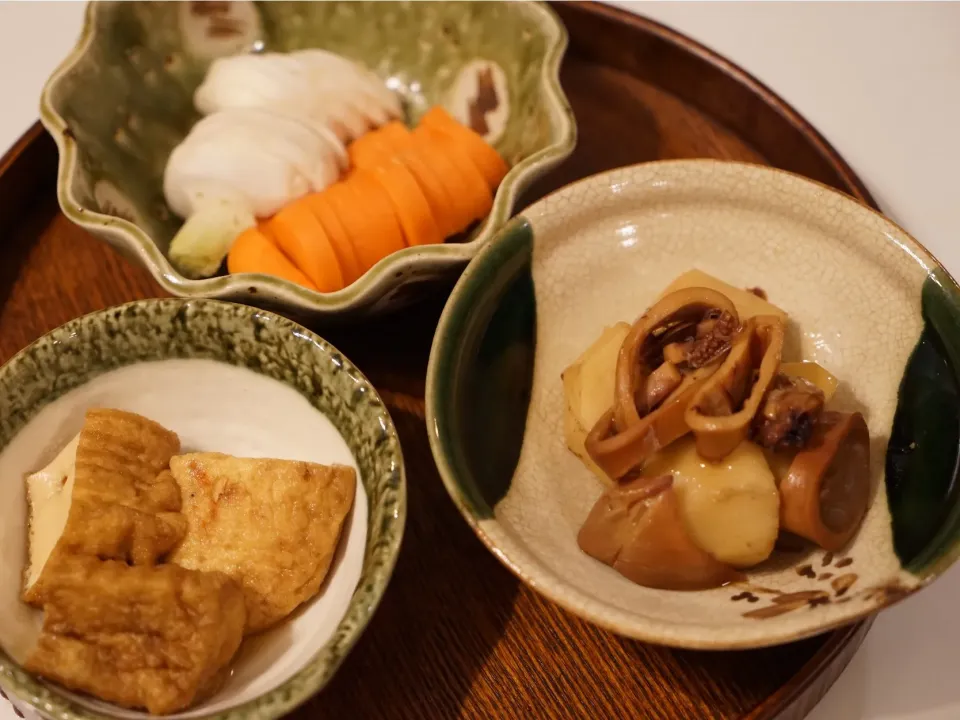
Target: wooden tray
457, 635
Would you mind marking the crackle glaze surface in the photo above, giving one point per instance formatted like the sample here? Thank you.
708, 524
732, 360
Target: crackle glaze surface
226, 378
123, 100
601, 251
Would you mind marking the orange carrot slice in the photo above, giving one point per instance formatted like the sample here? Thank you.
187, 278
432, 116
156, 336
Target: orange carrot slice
434, 189
476, 195
365, 212
487, 160
386, 235
254, 252
368, 150
301, 237
396, 136
462, 205
409, 203
337, 234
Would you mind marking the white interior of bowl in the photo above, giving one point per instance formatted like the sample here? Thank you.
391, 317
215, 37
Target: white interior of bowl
604, 249
212, 406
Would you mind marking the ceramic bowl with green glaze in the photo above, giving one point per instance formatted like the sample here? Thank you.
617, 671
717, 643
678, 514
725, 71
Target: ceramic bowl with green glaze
122, 101
865, 300
226, 378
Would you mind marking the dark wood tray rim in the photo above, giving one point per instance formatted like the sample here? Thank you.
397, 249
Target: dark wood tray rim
31, 163
718, 65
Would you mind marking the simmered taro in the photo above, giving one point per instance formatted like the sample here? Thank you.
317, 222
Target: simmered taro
765, 456
637, 529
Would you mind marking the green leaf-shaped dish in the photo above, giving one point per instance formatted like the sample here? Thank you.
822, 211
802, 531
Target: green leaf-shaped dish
122, 100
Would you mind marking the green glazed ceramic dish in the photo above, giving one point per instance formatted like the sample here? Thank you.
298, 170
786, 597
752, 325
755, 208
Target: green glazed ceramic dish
122, 100
865, 300
226, 378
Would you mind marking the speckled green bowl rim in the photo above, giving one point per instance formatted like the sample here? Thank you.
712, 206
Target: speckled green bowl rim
465, 309
380, 557
404, 262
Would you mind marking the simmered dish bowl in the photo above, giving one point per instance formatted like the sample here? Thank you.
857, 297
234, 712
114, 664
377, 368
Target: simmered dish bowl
701, 404
203, 504
328, 158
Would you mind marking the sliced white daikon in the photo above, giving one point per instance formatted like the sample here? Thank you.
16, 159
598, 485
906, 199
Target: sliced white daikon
367, 81
231, 165
316, 155
246, 81
315, 83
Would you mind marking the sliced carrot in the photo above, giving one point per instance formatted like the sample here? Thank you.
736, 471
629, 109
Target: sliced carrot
476, 194
365, 211
463, 205
434, 189
386, 235
369, 150
410, 204
337, 234
254, 252
396, 136
487, 160
301, 237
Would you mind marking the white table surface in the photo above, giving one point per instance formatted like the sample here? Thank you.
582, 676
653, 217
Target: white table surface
880, 81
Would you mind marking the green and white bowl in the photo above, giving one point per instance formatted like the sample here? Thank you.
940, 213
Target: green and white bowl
122, 100
227, 378
867, 301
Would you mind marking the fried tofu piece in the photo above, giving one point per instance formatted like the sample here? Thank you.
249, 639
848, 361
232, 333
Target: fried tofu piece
272, 525
49, 495
115, 499
157, 637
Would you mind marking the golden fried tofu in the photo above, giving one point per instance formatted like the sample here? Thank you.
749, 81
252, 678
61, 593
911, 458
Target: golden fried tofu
272, 525
142, 637
107, 494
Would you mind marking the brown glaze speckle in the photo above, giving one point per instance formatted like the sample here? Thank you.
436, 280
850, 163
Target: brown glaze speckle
224, 28
788, 602
886, 594
806, 571
843, 583
485, 102
208, 8
802, 596
770, 611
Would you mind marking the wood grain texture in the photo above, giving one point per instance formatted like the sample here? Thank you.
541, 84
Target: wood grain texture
457, 636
